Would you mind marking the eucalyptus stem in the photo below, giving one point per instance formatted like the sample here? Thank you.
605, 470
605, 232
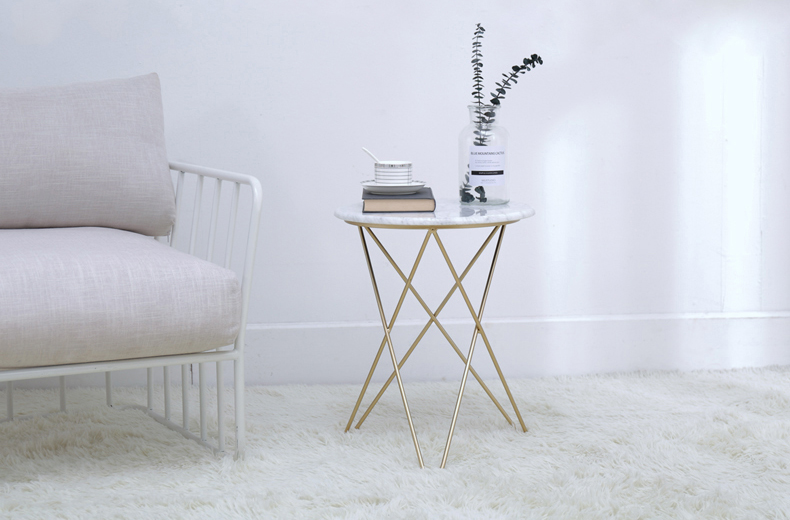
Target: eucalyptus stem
477, 66
485, 115
502, 86
525, 66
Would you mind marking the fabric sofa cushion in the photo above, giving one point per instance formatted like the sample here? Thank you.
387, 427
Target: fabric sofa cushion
75, 295
89, 154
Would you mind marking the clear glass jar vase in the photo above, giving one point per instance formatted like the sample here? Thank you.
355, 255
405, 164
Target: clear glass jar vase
482, 158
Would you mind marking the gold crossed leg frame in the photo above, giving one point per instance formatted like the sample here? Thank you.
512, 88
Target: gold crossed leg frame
386, 341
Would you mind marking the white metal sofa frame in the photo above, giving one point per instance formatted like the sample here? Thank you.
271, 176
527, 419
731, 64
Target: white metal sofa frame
236, 354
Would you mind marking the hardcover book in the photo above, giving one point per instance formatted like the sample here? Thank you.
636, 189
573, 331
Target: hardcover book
422, 200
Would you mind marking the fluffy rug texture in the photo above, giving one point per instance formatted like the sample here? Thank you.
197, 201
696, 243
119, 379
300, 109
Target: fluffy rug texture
645, 445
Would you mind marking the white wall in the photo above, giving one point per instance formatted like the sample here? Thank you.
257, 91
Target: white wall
653, 144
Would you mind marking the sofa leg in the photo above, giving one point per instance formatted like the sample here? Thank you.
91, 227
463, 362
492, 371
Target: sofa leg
238, 376
149, 374
220, 408
62, 393
108, 387
9, 400
203, 399
185, 382
166, 377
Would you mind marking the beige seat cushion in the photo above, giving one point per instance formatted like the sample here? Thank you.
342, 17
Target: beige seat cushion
89, 154
75, 295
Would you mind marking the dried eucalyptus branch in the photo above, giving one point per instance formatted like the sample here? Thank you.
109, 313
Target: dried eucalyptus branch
485, 115
477, 66
527, 65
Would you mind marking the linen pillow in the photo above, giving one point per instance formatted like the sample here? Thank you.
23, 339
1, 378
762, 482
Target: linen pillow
88, 154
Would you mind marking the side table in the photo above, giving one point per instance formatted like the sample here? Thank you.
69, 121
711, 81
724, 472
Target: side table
448, 215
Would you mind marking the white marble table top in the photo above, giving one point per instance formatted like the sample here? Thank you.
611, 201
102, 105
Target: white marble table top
449, 213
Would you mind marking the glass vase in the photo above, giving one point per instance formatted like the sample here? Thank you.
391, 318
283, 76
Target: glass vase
482, 158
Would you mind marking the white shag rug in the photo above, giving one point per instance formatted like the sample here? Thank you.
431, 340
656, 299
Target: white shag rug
646, 445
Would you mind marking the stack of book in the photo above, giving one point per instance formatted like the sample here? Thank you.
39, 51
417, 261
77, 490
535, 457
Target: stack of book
421, 200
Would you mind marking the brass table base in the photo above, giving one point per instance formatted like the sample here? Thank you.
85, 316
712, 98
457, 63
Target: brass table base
433, 319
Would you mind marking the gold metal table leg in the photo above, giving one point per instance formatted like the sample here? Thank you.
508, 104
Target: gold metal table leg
482, 331
478, 330
367, 382
433, 319
389, 341
391, 323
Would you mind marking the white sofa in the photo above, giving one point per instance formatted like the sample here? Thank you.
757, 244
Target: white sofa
89, 281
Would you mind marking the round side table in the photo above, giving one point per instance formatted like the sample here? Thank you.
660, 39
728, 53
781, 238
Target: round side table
448, 215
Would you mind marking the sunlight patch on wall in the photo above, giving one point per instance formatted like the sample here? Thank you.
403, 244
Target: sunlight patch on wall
721, 182
742, 121
718, 264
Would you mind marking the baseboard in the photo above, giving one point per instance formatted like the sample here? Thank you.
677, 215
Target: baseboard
530, 347
331, 353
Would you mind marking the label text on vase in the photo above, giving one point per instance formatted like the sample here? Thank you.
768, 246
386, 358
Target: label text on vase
487, 165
